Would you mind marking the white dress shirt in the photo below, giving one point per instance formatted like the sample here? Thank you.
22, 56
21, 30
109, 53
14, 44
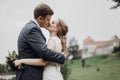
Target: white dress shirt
44, 31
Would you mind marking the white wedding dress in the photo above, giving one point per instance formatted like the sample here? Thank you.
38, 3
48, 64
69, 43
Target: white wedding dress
52, 70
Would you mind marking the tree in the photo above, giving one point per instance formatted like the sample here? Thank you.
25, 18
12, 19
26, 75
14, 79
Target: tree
3, 69
116, 49
73, 47
117, 4
65, 70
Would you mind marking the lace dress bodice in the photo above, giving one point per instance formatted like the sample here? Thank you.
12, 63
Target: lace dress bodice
52, 69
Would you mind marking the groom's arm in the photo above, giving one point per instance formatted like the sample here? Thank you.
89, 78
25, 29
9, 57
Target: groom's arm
37, 42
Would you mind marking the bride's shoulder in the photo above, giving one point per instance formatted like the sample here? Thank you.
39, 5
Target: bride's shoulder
53, 38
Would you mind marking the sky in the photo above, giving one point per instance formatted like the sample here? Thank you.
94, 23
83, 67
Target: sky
85, 18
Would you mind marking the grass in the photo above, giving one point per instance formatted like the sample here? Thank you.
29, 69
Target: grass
109, 68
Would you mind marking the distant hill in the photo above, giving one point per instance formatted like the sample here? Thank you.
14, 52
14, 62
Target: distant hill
105, 67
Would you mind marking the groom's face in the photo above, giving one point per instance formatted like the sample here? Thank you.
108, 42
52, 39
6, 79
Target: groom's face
44, 22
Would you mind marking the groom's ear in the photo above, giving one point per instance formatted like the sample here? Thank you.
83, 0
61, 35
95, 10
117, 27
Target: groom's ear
40, 18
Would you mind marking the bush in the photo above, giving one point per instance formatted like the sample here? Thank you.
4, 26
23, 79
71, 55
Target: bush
12, 78
65, 70
104, 56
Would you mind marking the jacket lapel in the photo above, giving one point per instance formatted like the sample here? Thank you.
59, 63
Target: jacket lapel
39, 29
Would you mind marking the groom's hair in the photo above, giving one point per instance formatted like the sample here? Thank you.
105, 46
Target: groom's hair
42, 10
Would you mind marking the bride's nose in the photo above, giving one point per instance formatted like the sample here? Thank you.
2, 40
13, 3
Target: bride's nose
53, 22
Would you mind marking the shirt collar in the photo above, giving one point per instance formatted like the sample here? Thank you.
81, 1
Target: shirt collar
37, 23
44, 31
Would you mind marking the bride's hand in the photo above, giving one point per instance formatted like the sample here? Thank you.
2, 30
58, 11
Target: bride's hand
17, 62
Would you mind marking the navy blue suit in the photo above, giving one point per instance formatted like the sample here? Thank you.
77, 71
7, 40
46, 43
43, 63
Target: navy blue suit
32, 44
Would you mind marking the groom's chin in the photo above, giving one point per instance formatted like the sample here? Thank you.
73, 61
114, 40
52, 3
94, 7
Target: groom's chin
45, 27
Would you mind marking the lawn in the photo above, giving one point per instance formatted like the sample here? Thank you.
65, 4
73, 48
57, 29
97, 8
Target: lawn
97, 68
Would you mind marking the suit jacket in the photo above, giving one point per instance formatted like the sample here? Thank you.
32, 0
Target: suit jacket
32, 44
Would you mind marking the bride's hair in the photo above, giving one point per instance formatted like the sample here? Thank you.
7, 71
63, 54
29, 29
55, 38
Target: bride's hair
61, 33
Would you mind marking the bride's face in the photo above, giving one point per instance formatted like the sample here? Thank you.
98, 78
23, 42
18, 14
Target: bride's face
53, 26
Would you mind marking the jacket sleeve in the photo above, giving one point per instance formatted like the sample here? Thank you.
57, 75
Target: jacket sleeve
37, 42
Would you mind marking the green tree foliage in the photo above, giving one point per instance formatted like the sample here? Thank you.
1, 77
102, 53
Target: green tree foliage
65, 70
117, 48
3, 69
117, 4
73, 47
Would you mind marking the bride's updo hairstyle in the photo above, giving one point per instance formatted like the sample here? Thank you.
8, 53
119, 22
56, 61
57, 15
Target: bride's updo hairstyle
61, 33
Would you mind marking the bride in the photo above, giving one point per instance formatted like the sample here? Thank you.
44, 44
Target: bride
57, 42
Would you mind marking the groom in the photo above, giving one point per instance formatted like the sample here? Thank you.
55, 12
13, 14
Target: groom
32, 44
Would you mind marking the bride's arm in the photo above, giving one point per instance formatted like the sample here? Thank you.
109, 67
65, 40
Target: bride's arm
38, 61
34, 62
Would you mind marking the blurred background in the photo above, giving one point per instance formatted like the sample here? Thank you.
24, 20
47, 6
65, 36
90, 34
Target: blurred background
92, 40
